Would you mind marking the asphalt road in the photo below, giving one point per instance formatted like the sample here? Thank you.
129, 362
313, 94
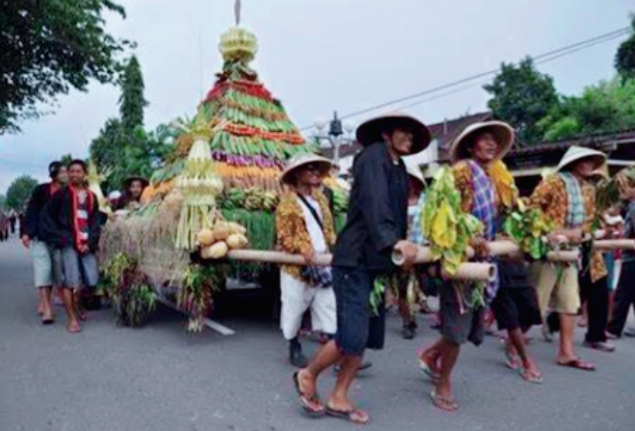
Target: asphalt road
160, 378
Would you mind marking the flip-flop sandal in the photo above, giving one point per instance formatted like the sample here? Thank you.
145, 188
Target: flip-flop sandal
306, 401
529, 377
448, 404
356, 416
578, 364
513, 361
427, 371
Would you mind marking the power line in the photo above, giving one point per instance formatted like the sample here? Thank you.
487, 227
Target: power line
579, 47
547, 56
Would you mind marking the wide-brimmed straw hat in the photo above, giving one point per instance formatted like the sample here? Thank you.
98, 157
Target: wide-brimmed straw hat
303, 159
128, 181
414, 172
503, 134
370, 132
575, 154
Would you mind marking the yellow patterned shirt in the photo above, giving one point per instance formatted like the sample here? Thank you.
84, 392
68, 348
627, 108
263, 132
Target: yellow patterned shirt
552, 198
293, 236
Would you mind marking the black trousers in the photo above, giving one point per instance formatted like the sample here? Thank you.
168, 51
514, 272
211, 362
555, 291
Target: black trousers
624, 298
596, 297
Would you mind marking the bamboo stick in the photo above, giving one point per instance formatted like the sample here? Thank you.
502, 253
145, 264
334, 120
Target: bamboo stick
476, 271
615, 244
277, 257
467, 271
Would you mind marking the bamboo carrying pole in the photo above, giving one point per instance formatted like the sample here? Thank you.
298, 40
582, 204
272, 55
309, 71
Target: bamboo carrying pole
615, 244
467, 271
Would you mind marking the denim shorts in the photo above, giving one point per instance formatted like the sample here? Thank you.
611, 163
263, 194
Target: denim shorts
76, 268
45, 274
357, 328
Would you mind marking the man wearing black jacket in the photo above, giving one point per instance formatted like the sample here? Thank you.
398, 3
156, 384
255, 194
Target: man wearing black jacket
376, 225
43, 272
70, 225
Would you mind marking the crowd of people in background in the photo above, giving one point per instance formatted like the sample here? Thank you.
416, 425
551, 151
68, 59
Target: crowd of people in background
61, 228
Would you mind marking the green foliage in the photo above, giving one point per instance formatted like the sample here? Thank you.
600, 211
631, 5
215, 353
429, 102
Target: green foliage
48, 47
133, 298
606, 107
195, 296
19, 192
66, 159
522, 96
2, 201
131, 102
444, 223
625, 56
123, 147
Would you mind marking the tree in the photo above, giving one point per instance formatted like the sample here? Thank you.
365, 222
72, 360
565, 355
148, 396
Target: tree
123, 147
522, 96
132, 102
19, 192
119, 155
603, 108
625, 56
2, 201
66, 159
48, 47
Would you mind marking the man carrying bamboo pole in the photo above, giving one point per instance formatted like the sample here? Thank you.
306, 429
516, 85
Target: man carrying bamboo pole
568, 202
475, 152
376, 225
304, 225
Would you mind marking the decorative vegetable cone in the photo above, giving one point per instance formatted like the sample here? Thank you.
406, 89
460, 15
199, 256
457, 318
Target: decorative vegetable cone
200, 187
256, 136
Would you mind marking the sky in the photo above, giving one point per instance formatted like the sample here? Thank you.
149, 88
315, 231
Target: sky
320, 56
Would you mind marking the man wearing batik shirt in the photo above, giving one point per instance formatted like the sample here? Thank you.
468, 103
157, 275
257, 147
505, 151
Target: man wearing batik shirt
568, 202
70, 225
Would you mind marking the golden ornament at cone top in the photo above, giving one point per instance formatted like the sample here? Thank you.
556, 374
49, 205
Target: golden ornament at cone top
238, 44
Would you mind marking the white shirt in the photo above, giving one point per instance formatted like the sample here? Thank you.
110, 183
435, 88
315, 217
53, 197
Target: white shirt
312, 226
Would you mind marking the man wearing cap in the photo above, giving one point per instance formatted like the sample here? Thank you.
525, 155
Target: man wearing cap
45, 278
376, 225
567, 200
304, 225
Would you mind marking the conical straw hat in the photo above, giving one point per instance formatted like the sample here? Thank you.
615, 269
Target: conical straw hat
304, 159
503, 134
576, 153
414, 171
369, 132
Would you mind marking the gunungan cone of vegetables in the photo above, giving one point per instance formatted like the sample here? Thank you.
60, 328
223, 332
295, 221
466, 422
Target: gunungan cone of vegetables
200, 187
